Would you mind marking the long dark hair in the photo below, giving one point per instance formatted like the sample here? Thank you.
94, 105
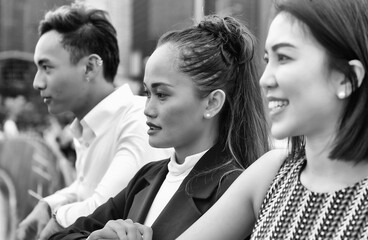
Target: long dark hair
218, 53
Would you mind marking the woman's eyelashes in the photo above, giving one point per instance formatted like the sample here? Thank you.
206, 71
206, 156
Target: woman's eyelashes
281, 58
159, 94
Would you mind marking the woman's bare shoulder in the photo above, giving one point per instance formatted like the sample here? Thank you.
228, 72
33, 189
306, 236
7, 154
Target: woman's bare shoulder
262, 172
269, 163
273, 158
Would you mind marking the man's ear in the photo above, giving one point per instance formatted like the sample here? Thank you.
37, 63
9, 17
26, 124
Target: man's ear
93, 66
344, 88
215, 102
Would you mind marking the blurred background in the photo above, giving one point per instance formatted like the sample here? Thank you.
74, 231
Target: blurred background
36, 150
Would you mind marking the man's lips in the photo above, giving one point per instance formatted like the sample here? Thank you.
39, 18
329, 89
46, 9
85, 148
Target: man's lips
46, 99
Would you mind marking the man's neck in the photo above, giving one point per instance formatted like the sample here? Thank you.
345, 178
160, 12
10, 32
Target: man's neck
96, 95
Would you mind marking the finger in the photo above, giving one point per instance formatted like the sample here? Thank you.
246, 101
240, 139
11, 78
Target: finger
25, 232
130, 221
132, 230
44, 230
145, 231
42, 236
41, 226
132, 233
20, 234
119, 227
27, 226
114, 238
138, 235
45, 234
102, 233
124, 229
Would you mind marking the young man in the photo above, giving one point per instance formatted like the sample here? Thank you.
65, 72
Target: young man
77, 60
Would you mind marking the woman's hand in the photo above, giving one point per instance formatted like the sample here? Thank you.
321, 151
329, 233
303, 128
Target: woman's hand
122, 230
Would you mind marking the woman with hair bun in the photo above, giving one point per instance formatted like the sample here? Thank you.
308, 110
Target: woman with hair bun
203, 100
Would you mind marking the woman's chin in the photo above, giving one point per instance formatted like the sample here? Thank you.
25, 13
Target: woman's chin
278, 134
158, 144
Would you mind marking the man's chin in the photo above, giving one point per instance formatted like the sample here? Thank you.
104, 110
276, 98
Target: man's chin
54, 111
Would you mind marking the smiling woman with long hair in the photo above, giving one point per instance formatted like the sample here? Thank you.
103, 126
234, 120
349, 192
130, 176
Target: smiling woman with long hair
316, 85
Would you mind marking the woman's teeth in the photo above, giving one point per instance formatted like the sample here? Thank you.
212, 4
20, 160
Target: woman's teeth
276, 105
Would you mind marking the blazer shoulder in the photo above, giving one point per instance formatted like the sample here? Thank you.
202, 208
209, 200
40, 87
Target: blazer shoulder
229, 175
155, 165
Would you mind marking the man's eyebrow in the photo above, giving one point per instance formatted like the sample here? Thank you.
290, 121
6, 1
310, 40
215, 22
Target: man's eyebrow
42, 61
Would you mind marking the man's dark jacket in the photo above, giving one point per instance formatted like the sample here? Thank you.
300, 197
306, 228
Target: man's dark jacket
197, 193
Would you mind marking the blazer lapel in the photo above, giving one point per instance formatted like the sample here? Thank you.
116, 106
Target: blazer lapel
143, 200
191, 200
201, 183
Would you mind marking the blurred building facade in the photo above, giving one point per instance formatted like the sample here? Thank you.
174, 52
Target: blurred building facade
19, 20
139, 24
18, 36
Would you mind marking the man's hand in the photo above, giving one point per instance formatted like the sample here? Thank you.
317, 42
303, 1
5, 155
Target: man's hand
34, 223
51, 228
122, 230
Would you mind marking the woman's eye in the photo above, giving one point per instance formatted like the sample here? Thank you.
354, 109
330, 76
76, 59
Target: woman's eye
282, 58
266, 59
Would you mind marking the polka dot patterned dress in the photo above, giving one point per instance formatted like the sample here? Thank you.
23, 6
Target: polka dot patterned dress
290, 211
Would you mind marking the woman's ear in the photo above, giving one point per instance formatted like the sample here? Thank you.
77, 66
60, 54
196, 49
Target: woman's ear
215, 102
344, 88
359, 70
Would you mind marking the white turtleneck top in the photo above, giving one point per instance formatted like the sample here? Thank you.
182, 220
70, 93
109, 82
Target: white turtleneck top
175, 176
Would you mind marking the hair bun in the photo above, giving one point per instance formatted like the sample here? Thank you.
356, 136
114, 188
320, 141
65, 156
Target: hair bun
232, 35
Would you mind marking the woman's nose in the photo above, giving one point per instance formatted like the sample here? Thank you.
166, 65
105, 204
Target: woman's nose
149, 109
268, 79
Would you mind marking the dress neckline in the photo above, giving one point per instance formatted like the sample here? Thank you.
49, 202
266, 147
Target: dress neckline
301, 165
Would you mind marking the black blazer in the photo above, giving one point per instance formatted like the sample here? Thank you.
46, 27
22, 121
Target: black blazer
197, 193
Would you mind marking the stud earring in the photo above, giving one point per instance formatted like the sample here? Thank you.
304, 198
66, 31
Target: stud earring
207, 115
341, 95
87, 79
